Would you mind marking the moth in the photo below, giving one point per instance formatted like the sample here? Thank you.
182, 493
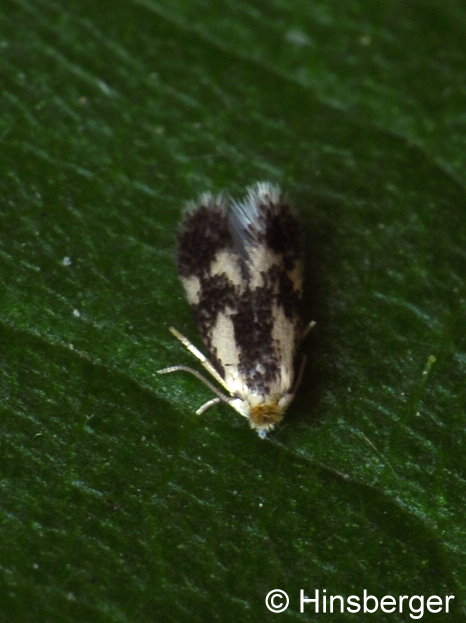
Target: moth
241, 265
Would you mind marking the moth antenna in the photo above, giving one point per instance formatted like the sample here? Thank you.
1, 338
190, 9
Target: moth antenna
199, 376
207, 405
197, 353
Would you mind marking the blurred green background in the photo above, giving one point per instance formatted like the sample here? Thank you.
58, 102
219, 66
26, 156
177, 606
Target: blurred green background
117, 502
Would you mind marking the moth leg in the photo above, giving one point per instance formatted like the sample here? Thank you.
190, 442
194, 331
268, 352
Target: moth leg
308, 328
200, 356
207, 405
299, 378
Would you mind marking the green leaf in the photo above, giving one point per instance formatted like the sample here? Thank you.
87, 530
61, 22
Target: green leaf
118, 502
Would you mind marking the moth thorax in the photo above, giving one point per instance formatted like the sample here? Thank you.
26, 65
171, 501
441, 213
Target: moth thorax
265, 416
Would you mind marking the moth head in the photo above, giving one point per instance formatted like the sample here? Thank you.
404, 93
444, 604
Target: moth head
263, 413
263, 417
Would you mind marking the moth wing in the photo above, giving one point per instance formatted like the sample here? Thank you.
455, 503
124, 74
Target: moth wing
268, 239
241, 267
212, 276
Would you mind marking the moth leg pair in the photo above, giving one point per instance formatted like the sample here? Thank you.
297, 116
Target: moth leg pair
310, 325
220, 397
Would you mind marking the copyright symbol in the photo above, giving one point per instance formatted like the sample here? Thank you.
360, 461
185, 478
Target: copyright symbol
277, 600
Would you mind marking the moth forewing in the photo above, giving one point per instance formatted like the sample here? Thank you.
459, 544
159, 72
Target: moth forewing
241, 265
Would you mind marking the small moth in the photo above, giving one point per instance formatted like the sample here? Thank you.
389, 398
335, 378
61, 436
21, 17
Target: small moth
241, 265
